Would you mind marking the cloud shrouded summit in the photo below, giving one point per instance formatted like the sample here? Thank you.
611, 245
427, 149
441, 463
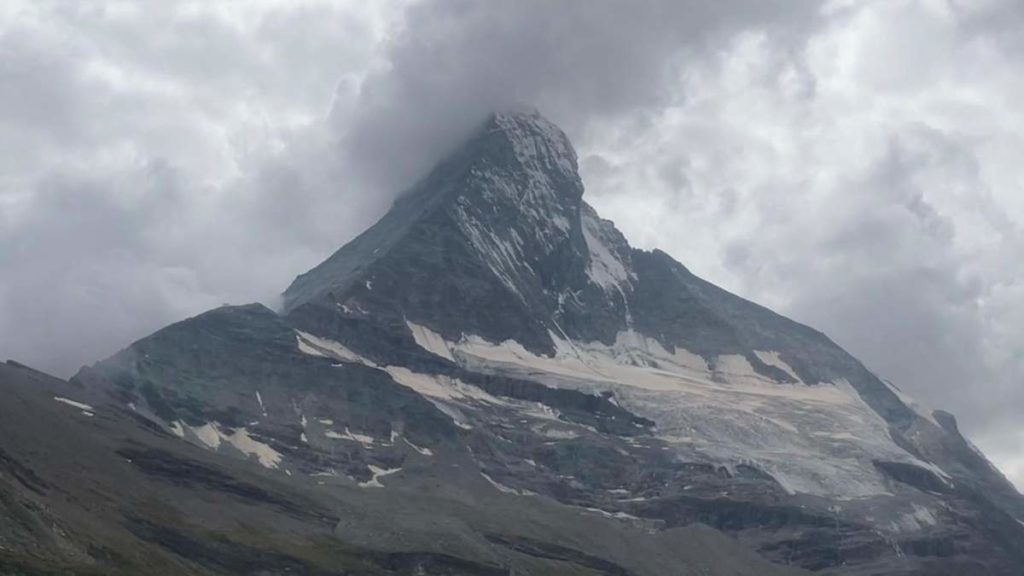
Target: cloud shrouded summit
851, 164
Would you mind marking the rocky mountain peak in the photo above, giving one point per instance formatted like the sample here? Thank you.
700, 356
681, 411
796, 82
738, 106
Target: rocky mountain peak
489, 341
539, 145
496, 230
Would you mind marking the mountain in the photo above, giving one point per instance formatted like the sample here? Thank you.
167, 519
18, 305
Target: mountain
490, 380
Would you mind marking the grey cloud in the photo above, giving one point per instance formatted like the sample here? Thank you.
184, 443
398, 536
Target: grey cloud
577, 61
155, 162
852, 164
857, 189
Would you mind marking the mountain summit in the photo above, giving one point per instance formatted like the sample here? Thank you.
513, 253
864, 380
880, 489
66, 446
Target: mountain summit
490, 380
485, 244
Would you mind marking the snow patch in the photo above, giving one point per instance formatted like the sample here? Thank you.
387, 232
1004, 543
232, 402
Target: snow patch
208, 434
378, 473
605, 268
607, 514
924, 515
816, 439
506, 489
316, 346
212, 437
918, 519
772, 358
444, 392
430, 341
363, 439
555, 433
440, 387
423, 451
267, 456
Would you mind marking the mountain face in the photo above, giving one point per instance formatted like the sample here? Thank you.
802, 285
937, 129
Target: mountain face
490, 380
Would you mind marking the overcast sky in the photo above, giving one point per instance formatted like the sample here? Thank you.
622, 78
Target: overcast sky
855, 165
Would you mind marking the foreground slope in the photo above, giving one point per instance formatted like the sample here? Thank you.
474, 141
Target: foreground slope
90, 486
492, 374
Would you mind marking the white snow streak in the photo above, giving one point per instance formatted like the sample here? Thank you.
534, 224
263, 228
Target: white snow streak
85, 408
506, 489
260, 400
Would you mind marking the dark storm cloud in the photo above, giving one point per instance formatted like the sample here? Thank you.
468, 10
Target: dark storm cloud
578, 60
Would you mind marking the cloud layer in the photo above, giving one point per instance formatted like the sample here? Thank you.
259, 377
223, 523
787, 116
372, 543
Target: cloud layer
852, 164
